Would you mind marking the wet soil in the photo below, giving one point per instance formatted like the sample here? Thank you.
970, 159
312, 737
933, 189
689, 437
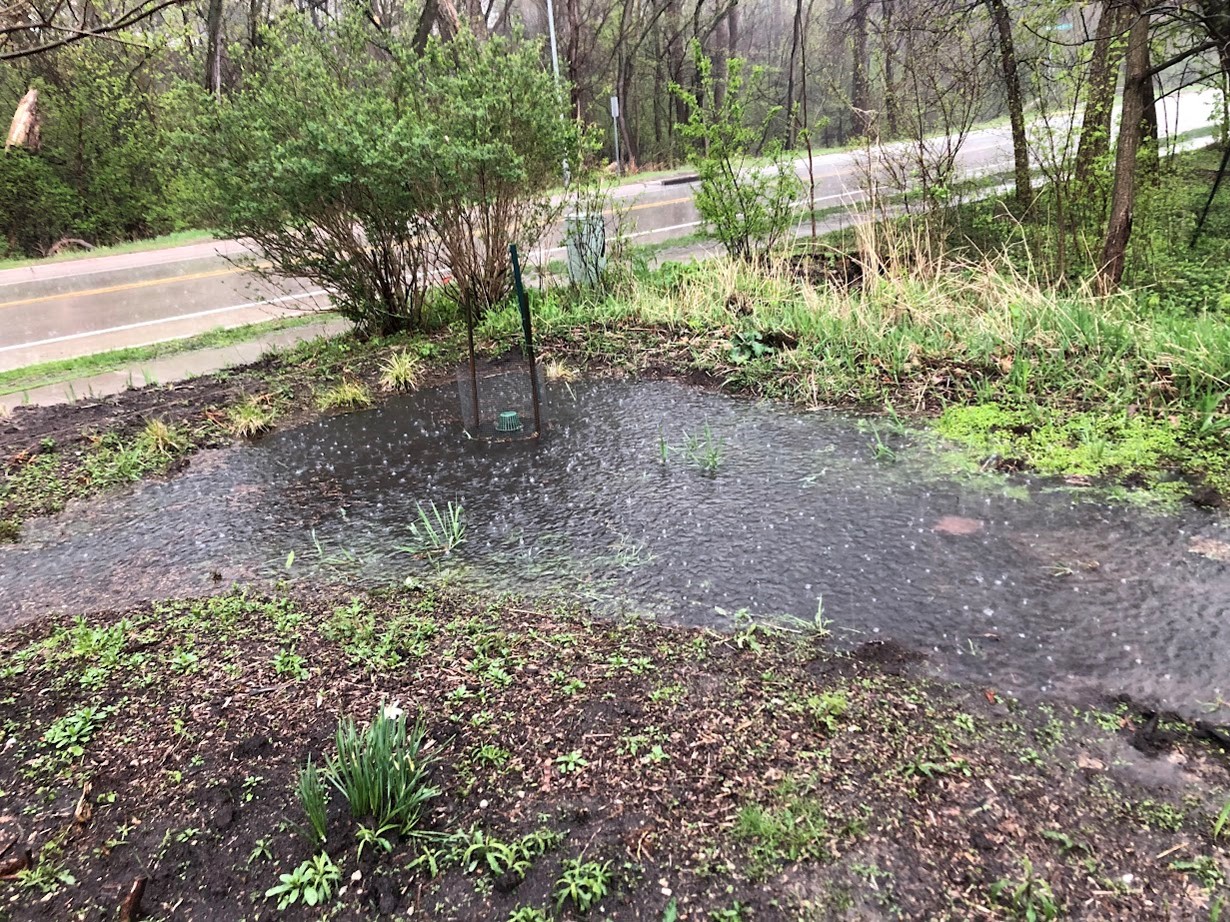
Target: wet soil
64, 437
760, 775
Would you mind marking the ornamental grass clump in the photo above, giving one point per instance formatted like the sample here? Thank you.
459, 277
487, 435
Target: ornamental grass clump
382, 772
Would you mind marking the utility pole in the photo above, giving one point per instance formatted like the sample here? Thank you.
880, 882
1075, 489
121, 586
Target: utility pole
555, 70
554, 46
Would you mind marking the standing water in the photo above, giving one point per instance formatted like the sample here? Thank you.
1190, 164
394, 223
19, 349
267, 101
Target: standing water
659, 499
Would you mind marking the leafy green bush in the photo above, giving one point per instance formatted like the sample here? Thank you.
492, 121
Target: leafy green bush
103, 173
37, 207
101, 124
310, 161
748, 205
365, 172
490, 145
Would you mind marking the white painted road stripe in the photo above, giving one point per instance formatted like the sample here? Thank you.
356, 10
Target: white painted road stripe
161, 320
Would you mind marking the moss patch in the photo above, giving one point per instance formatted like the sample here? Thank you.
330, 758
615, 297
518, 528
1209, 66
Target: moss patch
1085, 443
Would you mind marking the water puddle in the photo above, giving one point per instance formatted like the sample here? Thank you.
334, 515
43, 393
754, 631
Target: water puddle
1011, 582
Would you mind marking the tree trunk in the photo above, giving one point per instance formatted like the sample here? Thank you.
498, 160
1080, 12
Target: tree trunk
860, 92
674, 70
213, 47
795, 33
632, 151
24, 131
1103, 70
448, 19
660, 94
477, 17
1151, 141
1123, 195
572, 51
256, 19
892, 107
721, 57
1016, 105
427, 20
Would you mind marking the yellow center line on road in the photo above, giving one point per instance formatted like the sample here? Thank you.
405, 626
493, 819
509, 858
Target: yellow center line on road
674, 201
127, 286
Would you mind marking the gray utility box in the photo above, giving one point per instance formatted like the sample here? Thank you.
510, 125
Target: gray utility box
585, 240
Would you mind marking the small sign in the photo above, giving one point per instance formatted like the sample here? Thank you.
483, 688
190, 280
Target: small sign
614, 107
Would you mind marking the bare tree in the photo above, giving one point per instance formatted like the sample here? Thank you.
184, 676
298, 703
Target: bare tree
33, 27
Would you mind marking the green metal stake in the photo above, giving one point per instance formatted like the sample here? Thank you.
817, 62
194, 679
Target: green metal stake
524, 303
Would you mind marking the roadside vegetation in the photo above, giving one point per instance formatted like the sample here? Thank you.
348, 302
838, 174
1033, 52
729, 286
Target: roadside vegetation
471, 758
1029, 376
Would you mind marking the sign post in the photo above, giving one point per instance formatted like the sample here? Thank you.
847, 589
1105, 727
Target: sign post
619, 163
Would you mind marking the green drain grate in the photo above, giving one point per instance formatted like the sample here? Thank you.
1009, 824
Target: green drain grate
508, 421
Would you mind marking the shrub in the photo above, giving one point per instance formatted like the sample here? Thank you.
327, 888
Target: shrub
310, 161
102, 173
37, 208
491, 144
355, 169
749, 207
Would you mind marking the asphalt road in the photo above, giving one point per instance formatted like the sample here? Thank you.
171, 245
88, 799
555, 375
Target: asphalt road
60, 310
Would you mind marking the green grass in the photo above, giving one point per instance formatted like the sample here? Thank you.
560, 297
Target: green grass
179, 238
347, 395
62, 370
1163, 271
790, 827
250, 417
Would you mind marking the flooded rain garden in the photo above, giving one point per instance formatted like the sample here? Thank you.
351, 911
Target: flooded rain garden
803, 605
